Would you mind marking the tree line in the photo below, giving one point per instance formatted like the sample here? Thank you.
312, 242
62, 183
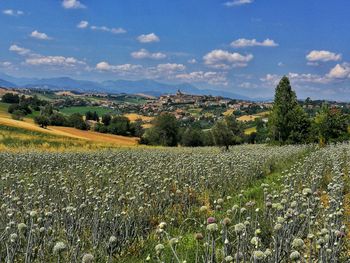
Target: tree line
288, 124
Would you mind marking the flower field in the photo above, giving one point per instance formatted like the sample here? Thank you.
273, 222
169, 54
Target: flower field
252, 204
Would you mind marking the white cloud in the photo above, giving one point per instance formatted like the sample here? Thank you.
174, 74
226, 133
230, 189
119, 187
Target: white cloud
72, 4
83, 24
149, 38
38, 35
238, 3
6, 64
223, 59
54, 61
192, 61
170, 67
118, 30
19, 50
242, 42
143, 53
210, 77
323, 55
340, 71
248, 85
105, 66
35, 59
11, 12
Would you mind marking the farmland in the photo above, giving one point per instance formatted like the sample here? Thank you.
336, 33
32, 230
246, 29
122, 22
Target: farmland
252, 204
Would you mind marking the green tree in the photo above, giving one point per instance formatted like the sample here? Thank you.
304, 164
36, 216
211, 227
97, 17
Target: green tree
58, 119
288, 122
106, 119
164, 132
42, 120
227, 132
330, 125
136, 128
10, 98
119, 125
17, 115
192, 137
76, 120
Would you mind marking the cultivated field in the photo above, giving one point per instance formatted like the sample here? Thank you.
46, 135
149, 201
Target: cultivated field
252, 204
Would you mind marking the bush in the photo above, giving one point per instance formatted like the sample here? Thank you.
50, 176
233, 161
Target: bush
76, 120
58, 119
10, 98
42, 120
17, 115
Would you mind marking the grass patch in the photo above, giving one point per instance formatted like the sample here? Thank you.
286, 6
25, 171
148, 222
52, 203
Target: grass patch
83, 109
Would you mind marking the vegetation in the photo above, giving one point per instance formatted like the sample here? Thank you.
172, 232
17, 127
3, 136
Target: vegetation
172, 205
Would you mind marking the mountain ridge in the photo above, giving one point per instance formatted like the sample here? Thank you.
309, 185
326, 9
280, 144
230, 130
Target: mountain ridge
146, 86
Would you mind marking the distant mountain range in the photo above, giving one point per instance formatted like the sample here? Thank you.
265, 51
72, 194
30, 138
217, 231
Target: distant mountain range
148, 87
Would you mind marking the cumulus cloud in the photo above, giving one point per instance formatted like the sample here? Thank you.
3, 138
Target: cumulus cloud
35, 59
161, 71
72, 4
143, 53
149, 38
11, 12
238, 3
340, 71
118, 30
83, 24
210, 77
42, 36
170, 67
105, 66
242, 42
192, 61
54, 61
225, 60
19, 50
323, 55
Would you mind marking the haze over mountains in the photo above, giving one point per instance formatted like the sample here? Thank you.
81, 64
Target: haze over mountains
146, 86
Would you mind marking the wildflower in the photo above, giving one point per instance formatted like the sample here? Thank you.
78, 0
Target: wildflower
59, 247
112, 240
159, 248
203, 209
87, 258
298, 243
198, 236
239, 228
212, 227
226, 221
258, 255
228, 259
162, 225
211, 220
294, 256
21, 227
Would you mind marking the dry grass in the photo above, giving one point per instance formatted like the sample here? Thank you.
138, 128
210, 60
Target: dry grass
229, 112
250, 130
28, 124
246, 118
97, 137
133, 117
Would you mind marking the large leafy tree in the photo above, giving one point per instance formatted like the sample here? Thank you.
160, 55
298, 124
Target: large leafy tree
227, 132
288, 123
330, 125
164, 132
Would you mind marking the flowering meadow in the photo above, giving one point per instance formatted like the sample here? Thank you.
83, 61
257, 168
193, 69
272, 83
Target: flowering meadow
251, 204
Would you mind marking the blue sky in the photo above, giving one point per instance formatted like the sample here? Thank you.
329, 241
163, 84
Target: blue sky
242, 46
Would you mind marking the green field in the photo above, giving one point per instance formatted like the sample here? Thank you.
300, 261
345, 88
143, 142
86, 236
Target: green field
83, 109
4, 107
268, 204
